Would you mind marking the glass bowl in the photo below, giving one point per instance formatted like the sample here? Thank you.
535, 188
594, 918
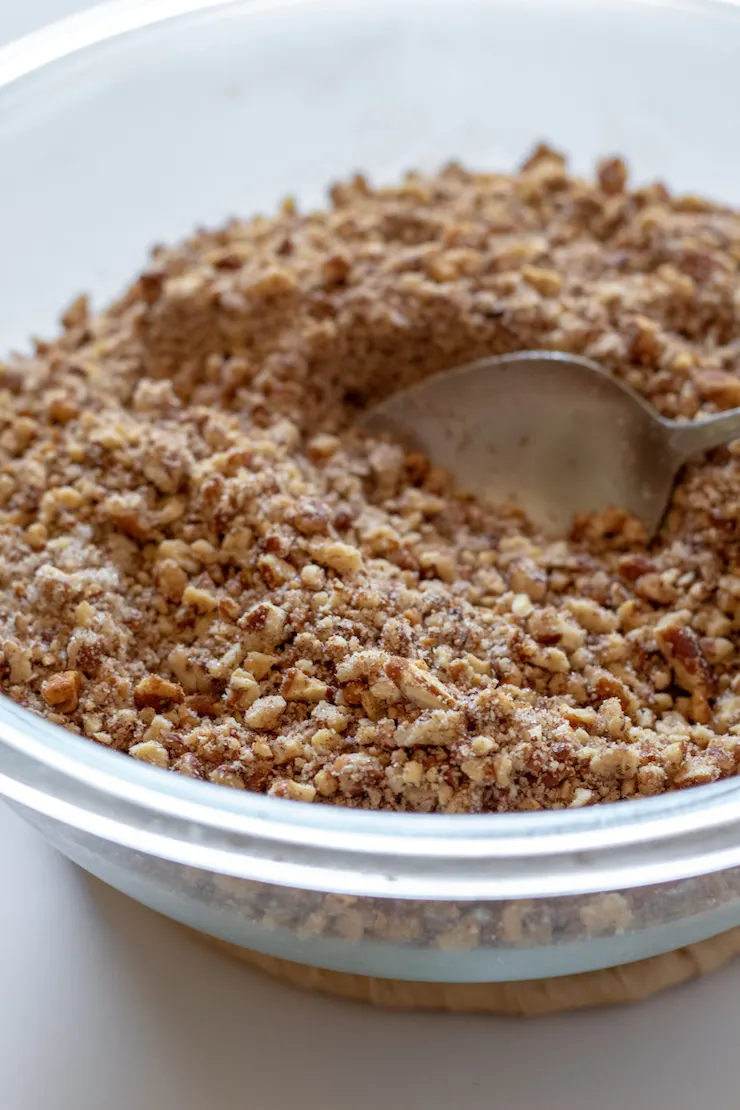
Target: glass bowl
138, 120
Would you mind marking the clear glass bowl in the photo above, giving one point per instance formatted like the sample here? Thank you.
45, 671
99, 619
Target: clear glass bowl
138, 120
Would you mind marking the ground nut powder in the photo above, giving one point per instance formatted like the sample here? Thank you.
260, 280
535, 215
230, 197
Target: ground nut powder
202, 566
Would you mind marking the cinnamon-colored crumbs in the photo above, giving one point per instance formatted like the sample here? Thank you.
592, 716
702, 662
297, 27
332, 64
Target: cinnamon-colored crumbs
202, 566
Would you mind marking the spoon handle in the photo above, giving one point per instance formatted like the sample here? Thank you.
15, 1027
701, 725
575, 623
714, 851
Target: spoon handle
688, 440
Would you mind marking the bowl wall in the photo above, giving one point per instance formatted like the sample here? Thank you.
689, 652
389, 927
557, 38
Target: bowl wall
144, 135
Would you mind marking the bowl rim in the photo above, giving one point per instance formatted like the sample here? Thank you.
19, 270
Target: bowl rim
64, 778
109, 19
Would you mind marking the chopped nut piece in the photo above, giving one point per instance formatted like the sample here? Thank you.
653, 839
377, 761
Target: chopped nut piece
201, 600
529, 579
265, 713
297, 686
310, 517
297, 791
521, 605
483, 745
331, 716
326, 784
129, 515
547, 282
612, 174
62, 410
159, 728
592, 616
264, 625
720, 387
342, 557
276, 572
442, 565
156, 692
227, 776
682, 648
363, 664
62, 691
417, 684
228, 663
258, 664
150, 751
439, 728
313, 577
581, 797
243, 690
77, 313
20, 664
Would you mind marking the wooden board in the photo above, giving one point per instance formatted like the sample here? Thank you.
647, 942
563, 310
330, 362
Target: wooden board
531, 998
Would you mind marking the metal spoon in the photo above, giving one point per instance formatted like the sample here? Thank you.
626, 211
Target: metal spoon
550, 432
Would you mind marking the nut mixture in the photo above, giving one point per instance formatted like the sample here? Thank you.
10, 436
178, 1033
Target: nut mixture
203, 566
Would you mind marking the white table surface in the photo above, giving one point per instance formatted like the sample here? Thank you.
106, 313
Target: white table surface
104, 1006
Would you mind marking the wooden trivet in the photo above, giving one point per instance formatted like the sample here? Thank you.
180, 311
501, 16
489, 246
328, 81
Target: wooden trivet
529, 998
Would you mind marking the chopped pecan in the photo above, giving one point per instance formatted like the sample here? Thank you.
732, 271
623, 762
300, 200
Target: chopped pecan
155, 692
681, 647
62, 691
297, 686
418, 684
720, 387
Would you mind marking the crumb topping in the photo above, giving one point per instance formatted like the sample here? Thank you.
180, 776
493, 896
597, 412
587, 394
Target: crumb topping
203, 566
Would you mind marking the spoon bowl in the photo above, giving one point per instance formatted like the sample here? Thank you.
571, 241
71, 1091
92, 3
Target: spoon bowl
551, 432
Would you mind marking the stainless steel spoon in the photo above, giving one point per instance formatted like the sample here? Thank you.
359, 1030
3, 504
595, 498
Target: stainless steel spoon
551, 432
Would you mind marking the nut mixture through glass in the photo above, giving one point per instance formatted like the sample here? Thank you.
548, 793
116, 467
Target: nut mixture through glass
202, 565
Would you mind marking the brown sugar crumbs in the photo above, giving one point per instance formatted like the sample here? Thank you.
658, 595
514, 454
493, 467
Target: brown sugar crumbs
202, 566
